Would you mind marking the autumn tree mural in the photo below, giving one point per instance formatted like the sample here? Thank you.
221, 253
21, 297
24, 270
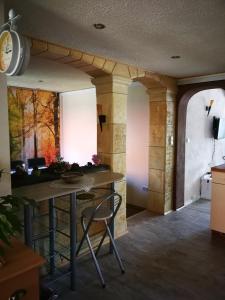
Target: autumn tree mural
34, 124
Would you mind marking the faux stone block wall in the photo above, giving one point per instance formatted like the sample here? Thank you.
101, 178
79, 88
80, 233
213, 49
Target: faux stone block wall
161, 149
112, 93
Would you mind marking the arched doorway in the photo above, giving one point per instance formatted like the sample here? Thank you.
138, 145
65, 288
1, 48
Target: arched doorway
184, 94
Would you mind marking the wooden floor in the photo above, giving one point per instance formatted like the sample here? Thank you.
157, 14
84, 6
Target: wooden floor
166, 257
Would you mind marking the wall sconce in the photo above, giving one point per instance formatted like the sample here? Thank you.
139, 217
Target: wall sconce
208, 108
102, 119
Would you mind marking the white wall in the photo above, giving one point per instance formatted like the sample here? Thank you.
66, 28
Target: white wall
199, 150
5, 182
78, 125
137, 144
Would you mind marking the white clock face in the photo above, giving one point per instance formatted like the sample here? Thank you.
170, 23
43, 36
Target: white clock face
6, 50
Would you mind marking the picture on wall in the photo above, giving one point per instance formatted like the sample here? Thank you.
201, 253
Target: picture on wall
33, 124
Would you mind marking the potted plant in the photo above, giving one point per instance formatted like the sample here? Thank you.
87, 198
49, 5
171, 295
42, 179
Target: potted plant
10, 223
59, 166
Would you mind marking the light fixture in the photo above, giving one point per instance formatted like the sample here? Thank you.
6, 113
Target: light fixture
102, 119
175, 56
101, 116
99, 26
208, 108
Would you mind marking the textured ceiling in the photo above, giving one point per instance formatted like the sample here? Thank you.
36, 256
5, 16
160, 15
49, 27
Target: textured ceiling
144, 33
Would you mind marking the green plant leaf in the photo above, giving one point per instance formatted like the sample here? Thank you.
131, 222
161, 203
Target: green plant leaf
4, 237
10, 223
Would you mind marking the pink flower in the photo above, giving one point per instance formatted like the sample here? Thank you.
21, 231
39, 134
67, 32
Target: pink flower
96, 160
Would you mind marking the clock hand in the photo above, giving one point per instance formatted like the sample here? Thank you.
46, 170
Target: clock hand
6, 52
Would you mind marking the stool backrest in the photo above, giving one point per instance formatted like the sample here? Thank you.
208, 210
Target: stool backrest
112, 201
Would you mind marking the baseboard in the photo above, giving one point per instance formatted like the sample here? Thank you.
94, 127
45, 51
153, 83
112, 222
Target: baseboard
187, 203
167, 212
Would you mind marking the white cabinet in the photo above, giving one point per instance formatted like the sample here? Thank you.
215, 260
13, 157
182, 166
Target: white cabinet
218, 201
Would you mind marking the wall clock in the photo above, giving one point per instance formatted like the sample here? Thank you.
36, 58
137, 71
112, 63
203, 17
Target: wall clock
14, 53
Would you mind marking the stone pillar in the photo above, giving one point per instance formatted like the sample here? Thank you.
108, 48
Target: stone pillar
5, 181
161, 149
111, 93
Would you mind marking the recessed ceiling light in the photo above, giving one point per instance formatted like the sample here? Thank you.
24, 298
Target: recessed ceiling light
99, 26
175, 57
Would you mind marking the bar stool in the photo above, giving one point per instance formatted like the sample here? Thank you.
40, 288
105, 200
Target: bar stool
105, 212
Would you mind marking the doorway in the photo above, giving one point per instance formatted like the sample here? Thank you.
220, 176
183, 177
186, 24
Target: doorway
137, 148
202, 151
184, 95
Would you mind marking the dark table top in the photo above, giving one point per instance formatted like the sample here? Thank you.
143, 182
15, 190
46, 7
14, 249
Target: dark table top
220, 168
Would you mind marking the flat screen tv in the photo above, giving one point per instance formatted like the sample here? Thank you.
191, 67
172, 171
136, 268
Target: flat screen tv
218, 128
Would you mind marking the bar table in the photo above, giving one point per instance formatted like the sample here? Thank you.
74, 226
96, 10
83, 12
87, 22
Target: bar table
49, 191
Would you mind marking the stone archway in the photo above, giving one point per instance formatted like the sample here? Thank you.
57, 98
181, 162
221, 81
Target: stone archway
93, 65
111, 80
184, 95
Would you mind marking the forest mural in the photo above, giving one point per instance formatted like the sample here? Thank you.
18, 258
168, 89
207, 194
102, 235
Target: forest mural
33, 124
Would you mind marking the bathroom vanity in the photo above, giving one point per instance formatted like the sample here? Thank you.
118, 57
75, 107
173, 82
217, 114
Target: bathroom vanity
218, 199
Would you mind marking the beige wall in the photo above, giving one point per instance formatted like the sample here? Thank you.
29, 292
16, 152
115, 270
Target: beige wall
5, 183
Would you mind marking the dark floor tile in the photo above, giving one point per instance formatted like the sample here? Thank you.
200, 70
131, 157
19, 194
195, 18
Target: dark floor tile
170, 257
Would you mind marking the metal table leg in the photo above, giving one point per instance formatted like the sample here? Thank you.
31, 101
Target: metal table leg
51, 203
28, 225
73, 239
112, 226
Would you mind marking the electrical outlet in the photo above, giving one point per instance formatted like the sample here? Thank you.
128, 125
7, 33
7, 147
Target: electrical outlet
170, 140
145, 189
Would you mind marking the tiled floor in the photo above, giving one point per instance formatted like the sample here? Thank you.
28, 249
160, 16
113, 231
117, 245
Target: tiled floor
166, 257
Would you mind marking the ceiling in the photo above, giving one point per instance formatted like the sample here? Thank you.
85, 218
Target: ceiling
49, 75
144, 33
